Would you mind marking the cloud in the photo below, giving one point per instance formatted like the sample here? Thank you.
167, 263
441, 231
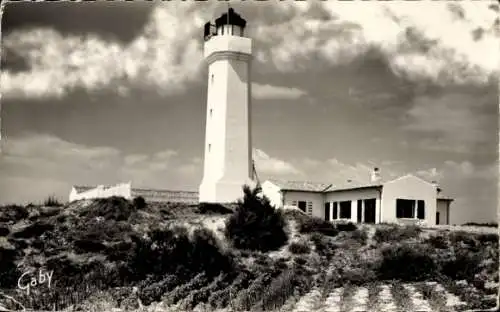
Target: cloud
269, 92
419, 41
37, 159
272, 166
454, 121
165, 56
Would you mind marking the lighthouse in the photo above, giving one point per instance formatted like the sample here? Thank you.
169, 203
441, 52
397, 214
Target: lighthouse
228, 141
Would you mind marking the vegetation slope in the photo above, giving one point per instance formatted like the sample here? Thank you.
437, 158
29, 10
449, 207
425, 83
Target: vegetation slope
114, 253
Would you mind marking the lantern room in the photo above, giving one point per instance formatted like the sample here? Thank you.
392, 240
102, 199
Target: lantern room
228, 24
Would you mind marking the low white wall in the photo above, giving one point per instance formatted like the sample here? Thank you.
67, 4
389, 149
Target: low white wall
120, 190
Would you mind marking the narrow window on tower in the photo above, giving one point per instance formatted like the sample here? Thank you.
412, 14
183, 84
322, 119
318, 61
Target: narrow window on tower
212, 78
209, 147
210, 113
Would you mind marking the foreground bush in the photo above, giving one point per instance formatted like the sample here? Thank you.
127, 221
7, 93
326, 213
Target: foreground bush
171, 251
255, 224
299, 248
139, 203
407, 262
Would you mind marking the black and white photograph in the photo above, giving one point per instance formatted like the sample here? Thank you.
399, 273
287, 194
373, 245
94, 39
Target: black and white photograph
294, 156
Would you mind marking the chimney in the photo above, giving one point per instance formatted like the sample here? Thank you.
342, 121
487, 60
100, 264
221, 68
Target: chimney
436, 185
375, 175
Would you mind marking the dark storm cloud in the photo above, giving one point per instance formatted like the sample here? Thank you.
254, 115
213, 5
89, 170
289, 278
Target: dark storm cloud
117, 20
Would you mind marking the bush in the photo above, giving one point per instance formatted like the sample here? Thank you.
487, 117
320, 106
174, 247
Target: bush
13, 213
115, 208
139, 203
407, 262
346, 227
4, 230
256, 225
359, 235
213, 208
299, 248
437, 241
314, 224
170, 251
323, 245
280, 289
34, 230
488, 238
396, 233
463, 265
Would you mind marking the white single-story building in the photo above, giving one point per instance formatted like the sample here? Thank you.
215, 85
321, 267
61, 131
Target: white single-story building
407, 199
126, 191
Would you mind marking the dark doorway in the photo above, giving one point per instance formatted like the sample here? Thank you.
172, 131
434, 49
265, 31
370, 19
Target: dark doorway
370, 210
360, 210
302, 205
437, 217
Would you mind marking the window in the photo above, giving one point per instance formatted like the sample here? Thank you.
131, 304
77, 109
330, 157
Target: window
212, 79
345, 210
421, 209
302, 205
210, 113
335, 211
405, 208
209, 147
309, 208
327, 211
360, 210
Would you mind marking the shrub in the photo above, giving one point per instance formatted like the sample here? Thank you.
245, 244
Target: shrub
170, 251
13, 213
213, 208
256, 225
396, 233
323, 245
153, 291
4, 230
115, 208
437, 241
52, 201
248, 297
8, 272
346, 227
407, 262
34, 230
139, 203
280, 289
488, 238
299, 248
314, 224
463, 265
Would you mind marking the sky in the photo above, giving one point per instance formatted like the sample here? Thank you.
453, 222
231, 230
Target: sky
107, 92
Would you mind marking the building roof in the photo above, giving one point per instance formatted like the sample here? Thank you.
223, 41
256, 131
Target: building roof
305, 186
233, 19
308, 186
324, 187
81, 188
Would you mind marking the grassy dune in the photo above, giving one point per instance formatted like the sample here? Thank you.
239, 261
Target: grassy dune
116, 255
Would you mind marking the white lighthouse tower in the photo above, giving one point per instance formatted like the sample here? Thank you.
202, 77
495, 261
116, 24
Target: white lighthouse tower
228, 141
